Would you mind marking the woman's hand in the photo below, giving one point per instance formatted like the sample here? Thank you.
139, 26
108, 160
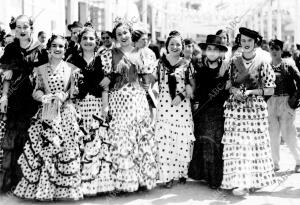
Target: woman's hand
7, 75
189, 91
238, 94
47, 98
176, 100
3, 104
105, 82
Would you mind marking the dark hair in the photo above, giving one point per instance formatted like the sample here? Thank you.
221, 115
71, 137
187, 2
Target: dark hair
137, 34
88, 24
53, 37
108, 33
219, 32
114, 34
188, 41
286, 54
2, 37
85, 30
13, 21
41, 33
173, 34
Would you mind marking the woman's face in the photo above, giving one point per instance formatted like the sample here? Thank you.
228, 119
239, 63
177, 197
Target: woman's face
88, 41
175, 46
188, 50
224, 38
142, 42
23, 30
57, 48
247, 44
212, 52
123, 36
106, 39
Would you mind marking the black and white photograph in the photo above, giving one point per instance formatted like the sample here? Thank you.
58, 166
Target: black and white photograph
150, 102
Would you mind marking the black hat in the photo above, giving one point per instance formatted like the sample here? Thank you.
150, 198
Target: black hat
213, 40
276, 42
250, 33
75, 24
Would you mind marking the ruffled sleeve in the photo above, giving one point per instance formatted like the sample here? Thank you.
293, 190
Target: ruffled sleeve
267, 76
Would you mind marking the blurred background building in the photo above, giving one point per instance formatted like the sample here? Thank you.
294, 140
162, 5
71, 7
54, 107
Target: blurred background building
193, 18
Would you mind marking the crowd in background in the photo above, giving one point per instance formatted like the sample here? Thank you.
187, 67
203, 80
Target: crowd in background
97, 112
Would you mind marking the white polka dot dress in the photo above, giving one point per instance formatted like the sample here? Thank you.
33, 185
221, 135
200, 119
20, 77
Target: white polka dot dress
96, 176
247, 152
174, 127
51, 159
133, 145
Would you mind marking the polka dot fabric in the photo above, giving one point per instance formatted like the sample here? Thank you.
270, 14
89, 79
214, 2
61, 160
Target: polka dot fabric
247, 152
96, 176
174, 130
2, 132
133, 145
106, 59
52, 171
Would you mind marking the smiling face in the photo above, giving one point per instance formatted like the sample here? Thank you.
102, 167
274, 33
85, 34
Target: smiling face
88, 41
57, 48
212, 52
175, 46
123, 36
247, 44
23, 29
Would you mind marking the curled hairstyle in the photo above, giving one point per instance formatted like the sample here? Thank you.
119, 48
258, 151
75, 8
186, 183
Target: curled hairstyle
174, 34
219, 32
53, 37
13, 21
85, 30
114, 31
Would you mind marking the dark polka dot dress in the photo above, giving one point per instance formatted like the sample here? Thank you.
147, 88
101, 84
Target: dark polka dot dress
174, 127
247, 152
52, 171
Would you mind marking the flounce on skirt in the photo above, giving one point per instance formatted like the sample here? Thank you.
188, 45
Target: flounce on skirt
133, 144
96, 163
51, 159
247, 152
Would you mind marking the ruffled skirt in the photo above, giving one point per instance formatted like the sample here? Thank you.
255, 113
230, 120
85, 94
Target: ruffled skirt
247, 152
132, 137
96, 176
51, 159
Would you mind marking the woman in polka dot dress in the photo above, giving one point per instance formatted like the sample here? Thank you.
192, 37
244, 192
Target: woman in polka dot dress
147, 63
133, 147
247, 154
51, 159
174, 124
93, 101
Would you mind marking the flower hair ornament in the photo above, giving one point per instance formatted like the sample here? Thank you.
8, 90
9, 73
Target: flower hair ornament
125, 21
13, 21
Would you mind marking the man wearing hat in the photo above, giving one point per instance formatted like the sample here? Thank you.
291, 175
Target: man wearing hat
282, 105
74, 28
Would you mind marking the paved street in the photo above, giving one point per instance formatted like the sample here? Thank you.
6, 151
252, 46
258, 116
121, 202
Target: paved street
285, 192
